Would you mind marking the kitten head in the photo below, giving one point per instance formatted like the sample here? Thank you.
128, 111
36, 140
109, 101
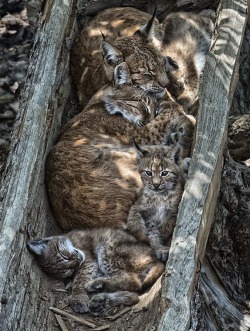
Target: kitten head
159, 167
57, 256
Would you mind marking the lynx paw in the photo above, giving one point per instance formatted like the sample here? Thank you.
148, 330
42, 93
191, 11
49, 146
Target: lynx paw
102, 302
162, 254
99, 304
95, 285
80, 304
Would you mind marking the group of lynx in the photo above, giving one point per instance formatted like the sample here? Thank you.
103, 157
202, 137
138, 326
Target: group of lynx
116, 174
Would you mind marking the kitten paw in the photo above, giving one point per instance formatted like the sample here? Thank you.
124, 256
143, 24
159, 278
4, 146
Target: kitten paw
80, 304
102, 302
162, 254
95, 285
99, 304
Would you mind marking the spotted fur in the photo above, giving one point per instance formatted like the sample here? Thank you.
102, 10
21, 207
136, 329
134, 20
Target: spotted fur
109, 266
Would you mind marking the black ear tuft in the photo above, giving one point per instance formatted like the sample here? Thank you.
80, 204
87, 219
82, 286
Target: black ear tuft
142, 152
103, 36
147, 31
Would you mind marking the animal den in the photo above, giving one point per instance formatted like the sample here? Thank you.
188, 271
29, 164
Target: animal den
195, 292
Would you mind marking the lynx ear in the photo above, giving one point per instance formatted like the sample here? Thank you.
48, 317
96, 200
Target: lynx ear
122, 74
148, 32
112, 56
176, 153
38, 246
142, 152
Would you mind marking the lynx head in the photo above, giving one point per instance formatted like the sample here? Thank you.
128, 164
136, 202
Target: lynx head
57, 256
159, 167
148, 68
128, 100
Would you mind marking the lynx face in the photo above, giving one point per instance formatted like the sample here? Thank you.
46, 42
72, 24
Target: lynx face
125, 99
57, 256
159, 170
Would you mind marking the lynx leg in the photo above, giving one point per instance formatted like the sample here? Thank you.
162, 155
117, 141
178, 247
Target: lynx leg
79, 299
119, 281
136, 225
102, 302
153, 274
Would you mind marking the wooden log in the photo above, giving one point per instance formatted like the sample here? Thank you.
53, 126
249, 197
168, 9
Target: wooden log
25, 292
199, 199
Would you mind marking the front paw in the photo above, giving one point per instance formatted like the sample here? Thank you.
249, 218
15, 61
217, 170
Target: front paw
79, 303
99, 304
95, 285
162, 254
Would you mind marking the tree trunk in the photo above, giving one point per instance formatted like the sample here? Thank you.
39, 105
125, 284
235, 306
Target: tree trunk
217, 295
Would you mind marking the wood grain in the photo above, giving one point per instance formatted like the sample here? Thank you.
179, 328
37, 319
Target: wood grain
199, 199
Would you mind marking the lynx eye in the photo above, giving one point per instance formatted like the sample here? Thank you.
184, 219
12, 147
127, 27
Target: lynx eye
164, 173
65, 256
148, 173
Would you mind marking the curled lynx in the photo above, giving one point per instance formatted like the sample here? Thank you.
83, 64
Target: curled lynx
91, 173
110, 267
131, 36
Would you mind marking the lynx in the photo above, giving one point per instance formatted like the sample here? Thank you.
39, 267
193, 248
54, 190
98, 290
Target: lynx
170, 54
153, 216
131, 36
91, 173
187, 39
107, 264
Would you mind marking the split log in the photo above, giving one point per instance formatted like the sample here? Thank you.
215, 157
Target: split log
25, 292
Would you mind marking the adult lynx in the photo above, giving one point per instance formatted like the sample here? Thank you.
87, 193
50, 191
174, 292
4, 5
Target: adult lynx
91, 172
172, 53
131, 36
109, 263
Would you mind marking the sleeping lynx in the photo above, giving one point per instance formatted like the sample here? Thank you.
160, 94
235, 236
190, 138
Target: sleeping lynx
108, 263
152, 218
172, 53
131, 36
91, 172
187, 39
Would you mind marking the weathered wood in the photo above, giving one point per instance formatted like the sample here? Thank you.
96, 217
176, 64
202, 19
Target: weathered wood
25, 292
198, 203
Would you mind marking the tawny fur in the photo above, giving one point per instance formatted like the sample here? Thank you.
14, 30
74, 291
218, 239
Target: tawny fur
91, 173
172, 54
153, 216
187, 39
90, 68
108, 263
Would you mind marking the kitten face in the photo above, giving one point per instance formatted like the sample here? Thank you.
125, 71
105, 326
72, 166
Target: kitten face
158, 168
57, 256
159, 174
